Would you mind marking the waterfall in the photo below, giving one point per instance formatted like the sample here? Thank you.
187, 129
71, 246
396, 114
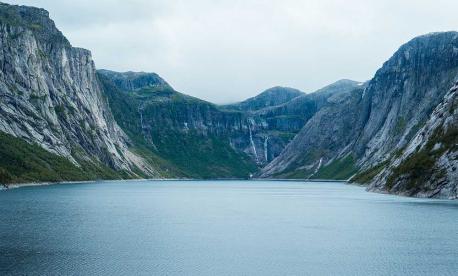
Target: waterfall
319, 165
252, 144
145, 131
266, 156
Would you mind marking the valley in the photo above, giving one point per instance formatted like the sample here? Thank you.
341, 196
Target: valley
62, 118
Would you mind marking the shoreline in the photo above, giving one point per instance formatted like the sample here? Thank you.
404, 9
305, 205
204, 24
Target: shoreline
34, 184
38, 184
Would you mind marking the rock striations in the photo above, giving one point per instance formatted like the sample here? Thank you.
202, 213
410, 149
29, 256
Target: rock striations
60, 119
377, 121
428, 166
50, 94
238, 138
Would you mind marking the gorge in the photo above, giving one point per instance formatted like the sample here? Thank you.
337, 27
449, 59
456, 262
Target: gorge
61, 119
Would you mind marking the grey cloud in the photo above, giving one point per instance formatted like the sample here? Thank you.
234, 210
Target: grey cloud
227, 50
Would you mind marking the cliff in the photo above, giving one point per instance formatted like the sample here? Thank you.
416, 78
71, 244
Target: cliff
378, 121
50, 95
428, 166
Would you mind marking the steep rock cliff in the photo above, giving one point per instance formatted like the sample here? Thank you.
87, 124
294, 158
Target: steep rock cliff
192, 134
273, 127
428, 167
50, 95
391, 109
404, 92
169, 121
324, 138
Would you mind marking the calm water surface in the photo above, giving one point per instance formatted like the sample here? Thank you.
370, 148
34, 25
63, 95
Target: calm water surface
223, 228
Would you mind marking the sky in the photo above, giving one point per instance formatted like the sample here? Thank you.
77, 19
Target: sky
228, 50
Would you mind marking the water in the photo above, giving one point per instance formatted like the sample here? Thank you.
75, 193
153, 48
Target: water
224, 228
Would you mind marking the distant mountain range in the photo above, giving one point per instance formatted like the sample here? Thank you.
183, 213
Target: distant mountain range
61, 119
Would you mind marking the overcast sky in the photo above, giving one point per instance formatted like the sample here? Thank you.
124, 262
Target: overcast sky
228, 50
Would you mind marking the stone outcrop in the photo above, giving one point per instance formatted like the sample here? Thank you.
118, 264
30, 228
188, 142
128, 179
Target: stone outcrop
50, 94
382, 119
397, 132
428, 166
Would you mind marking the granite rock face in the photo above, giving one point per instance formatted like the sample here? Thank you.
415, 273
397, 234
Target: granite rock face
259, 128
397, 132
175, 126
191, 134
326, 137
50, 94
292, 115
428, 167
275, 126
377, 127
404, 92
412, 126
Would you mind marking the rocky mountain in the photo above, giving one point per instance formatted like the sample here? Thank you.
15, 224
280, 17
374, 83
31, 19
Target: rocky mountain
374, 124
291, 116
60, 119
404, 92
50, 96
286, 120
135, 80
116, 125
428, 166
194, 135
175, 126
322, 140
271, 97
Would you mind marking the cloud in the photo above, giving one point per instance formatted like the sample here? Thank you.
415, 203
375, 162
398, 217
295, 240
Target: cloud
229, 50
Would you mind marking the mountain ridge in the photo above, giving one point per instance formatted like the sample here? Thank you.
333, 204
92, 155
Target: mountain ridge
260, 134
384, 132
270, 97
392, 107
50, 95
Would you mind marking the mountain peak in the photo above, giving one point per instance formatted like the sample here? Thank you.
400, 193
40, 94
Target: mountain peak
339, 86
34, 19
281, 90
134, 80
424, 54
428, 42
271, 97
436, 35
